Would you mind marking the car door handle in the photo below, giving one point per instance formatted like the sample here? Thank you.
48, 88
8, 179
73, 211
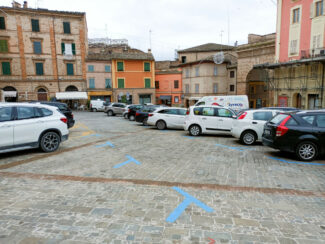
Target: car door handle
254, 123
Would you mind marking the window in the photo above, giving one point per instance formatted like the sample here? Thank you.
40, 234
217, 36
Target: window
108, 83
197, 111
215, 88
187, 73
120, 83
182, 111
6, 68
183, 59
176, 99
39, 68
215, 70
197, 88
157, 84
146, 66
70, 69
147, 82
232, 88
25, 112
252, 90
107, 68
176, 84
296, 15
37, 47
224, 112
2, 23
265, 116
5, 114
66, 28
208, 111
120, 66
187, 88
3, 46
91, 83
291, 121
309, 119
90, 68
68, 48
197, 71
171, 111
46, 112
35, 25
293, 46
319, 8
320, 121
232, 74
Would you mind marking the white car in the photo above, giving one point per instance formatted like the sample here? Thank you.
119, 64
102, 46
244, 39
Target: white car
166, 117
25, 126
248, 127
209, 120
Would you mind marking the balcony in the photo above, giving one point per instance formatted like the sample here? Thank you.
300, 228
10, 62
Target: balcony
312, 53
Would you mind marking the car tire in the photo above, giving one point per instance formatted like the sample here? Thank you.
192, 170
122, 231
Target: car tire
131, 117
248, 137
307, 151
93, 110
145, 122
50, 141
110, 113
194, 130
161, 125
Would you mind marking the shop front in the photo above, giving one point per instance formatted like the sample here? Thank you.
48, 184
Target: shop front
101, 95
73, 99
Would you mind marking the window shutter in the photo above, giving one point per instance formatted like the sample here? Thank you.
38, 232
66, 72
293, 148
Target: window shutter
66, 27
69, 69
146, 66
108, 83
6, 68
312, 10
37, 47
147, 83
2, 23
92, 83
73, 48
39, 69
62, 47
35, 25
120, 66
120, 83
107, 68
3, 46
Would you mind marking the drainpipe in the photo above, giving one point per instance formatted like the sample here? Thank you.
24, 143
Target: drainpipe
322, 91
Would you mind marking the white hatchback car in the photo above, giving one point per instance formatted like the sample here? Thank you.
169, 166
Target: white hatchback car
209, 120
166, 117
248, 127
25, 126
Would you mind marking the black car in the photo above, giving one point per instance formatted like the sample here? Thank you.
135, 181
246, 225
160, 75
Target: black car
141, 116
132, 111
63, 108
284, 109
302, 133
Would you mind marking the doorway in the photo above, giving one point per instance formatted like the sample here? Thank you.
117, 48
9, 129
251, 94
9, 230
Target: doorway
41, 94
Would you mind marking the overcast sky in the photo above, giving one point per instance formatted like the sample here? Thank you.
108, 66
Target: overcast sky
175, 24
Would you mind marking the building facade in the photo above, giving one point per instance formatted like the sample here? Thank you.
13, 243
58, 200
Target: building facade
298, 79
251, 81
206, 74
42, 52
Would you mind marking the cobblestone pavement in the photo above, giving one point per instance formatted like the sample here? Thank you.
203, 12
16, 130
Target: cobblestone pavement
112, 182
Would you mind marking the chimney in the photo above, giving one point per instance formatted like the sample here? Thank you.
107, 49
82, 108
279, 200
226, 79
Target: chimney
149, 50
25, 4
16, 4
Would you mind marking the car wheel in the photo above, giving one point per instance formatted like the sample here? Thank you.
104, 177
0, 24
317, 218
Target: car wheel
195, 130
50, 142
306, 151
131, 118
161, 125
110, 113
93, 110
248, 137
145, 122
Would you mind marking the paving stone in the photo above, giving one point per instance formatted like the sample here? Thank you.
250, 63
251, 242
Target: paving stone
246, 222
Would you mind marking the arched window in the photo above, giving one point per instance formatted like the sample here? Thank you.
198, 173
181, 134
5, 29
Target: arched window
71, 89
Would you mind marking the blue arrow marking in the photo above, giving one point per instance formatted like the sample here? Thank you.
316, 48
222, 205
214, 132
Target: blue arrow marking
187, 201
97, 135
131, 160
106, 144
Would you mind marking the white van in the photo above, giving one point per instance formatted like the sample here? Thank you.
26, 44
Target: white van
236, 103
97, 105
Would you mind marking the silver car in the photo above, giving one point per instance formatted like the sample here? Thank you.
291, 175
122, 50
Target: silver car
115, 108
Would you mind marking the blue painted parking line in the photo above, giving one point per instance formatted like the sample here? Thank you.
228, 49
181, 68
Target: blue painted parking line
130, 160
241, 149
191, 137
106, 144
187, 201
292, 162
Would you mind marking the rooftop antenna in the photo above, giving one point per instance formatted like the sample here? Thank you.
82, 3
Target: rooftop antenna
150, 31
221, 33
228, 19
37, 3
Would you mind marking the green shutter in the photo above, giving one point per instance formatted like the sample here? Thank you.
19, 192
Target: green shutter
147, 83
6, 68
120, 66
120, 83
66, 27
39, 69
2, 23
146, 66
35, 25
73, 48
69, 69
91, 83
3, 46
62, 47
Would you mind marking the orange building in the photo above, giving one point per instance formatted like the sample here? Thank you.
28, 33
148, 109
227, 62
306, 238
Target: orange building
168, 82
133, 78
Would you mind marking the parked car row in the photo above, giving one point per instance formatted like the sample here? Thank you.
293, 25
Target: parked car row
286, 129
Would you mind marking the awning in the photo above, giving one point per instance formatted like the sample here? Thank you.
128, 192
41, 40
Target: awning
71, 96
9, 94
165, 97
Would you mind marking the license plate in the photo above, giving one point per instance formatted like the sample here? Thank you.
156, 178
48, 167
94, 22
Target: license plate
267, 132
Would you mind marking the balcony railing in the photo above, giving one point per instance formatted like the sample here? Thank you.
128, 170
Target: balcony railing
312, 53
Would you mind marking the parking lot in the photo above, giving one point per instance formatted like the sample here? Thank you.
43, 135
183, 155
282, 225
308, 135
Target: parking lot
116, 181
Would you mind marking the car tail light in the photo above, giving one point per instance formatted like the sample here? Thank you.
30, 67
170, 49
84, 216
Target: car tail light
150, 115
188, 112
64, 120
282, 129
137, 114
242, 116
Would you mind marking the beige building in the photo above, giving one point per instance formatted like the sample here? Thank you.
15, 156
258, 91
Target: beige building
205, 74
42, 52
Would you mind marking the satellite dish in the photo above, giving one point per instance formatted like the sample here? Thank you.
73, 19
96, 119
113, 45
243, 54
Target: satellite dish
218, 58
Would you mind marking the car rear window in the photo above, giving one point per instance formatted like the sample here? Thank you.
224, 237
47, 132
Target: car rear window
309, 119
278, 118
25, 112
266, 116
63, 107
182, 111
